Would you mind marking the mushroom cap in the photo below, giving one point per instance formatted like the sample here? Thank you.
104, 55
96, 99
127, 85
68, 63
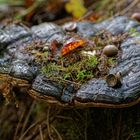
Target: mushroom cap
110, 50
136, 16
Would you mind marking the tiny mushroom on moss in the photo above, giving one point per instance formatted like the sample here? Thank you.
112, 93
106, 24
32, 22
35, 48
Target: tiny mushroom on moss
136, 16
110, 50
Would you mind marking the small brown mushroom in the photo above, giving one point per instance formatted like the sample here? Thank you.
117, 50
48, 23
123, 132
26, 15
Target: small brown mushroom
136, 16
110, 50
113, 80
70, 27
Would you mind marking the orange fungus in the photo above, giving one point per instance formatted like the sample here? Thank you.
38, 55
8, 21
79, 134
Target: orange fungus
71, 46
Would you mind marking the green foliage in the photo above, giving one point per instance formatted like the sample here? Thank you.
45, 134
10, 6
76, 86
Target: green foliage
76, 8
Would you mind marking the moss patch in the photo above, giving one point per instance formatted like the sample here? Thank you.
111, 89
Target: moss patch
79, 71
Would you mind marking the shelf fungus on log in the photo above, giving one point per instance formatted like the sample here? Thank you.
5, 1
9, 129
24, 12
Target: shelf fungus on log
25, 63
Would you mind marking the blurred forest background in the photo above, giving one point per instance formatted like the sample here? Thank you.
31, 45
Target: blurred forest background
35, 120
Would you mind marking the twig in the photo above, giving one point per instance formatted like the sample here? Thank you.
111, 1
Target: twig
48, 124
18, 125
129, 136
128, 8
58, 134
27, 117
45, 126
30, 9
63, 117
119, 125
85, 130
40, 132
29, 128
63, 20
36, 132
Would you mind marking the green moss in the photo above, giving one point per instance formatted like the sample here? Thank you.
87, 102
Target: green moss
67, 75
112, 61
84, 74
92, 61
134, 32
79, 71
